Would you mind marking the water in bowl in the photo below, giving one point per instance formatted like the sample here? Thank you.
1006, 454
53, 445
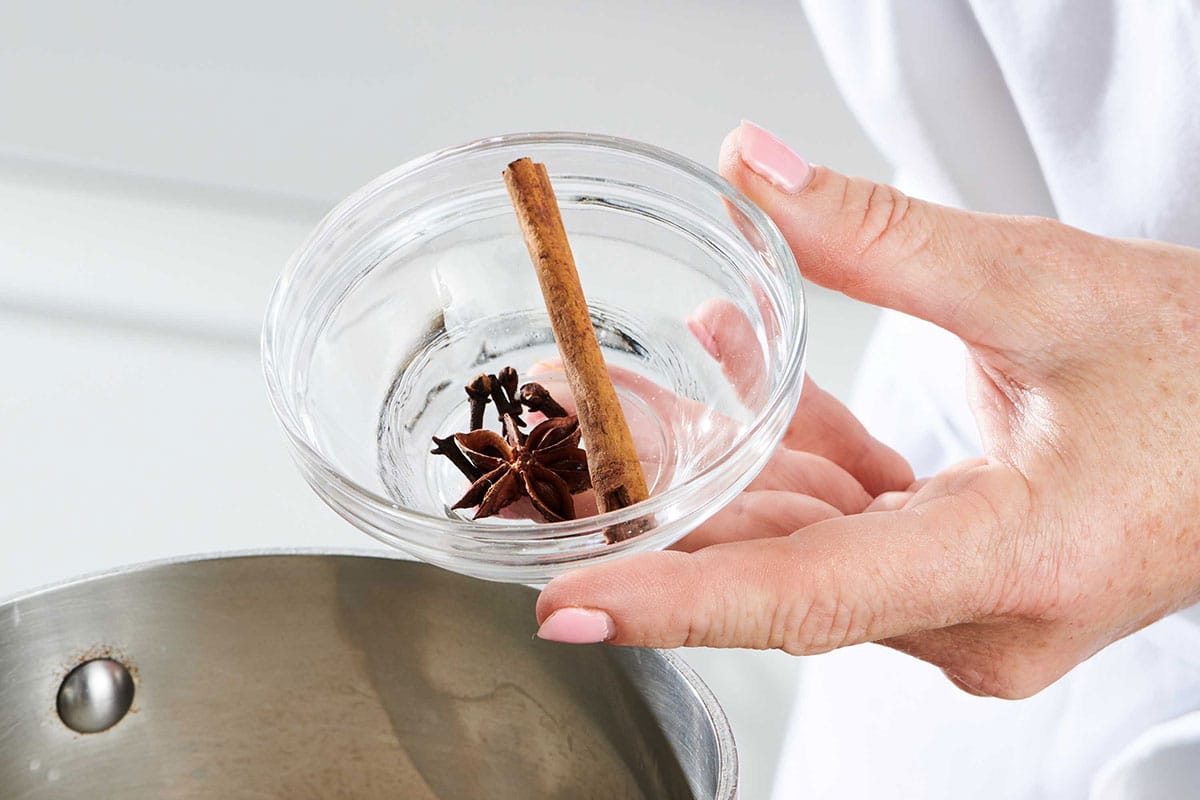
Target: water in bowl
680, 407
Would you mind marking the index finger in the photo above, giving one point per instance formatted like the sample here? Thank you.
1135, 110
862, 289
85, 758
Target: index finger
839, 582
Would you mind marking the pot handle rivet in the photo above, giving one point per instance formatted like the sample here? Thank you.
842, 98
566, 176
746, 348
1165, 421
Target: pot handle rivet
95, 695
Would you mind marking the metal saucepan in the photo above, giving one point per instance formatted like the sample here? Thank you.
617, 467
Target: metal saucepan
318, 676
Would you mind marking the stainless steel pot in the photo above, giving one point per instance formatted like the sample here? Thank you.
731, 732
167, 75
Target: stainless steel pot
320, 676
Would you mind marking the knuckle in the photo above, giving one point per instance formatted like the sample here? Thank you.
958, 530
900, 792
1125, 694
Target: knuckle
698, 633
884, 216
700, 624
823, 623
1014, 571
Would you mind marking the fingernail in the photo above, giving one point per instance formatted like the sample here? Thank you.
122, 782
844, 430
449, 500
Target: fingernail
577, 626
704, 337
762, 152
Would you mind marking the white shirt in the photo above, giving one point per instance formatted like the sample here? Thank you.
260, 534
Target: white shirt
1088, 111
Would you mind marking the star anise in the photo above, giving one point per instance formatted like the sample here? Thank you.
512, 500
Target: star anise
547, 464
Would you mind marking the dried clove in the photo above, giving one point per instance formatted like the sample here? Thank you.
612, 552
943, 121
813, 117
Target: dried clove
535, 397
448, 447
479, 392
504, 395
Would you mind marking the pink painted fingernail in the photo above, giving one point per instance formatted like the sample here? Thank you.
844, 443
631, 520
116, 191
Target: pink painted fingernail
704, 337
577, 626
762, 152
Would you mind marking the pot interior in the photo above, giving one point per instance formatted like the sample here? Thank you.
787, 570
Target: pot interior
306, 676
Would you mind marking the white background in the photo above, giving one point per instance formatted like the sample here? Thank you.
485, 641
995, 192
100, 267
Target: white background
159, 162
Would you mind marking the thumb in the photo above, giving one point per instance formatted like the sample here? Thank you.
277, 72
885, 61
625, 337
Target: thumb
873, 243
838, 582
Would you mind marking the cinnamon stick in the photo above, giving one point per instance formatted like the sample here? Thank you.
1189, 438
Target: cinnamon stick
616, 471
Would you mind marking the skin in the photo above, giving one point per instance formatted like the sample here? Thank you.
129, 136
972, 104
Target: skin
1078, 526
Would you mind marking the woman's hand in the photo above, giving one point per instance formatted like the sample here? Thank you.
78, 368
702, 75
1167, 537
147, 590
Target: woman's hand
1080, 525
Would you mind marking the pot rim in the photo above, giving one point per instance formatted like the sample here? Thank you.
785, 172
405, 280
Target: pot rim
727, 776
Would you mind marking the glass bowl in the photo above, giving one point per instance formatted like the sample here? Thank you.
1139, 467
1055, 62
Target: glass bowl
420, 281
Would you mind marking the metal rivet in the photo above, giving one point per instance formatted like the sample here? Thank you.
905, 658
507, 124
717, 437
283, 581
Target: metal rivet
95, 695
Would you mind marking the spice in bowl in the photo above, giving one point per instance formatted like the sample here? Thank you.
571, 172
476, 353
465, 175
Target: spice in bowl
547, 464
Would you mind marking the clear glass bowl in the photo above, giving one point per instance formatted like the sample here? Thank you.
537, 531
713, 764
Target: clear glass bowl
421, 280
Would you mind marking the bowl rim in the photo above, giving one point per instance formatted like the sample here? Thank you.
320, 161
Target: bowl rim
786, 391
